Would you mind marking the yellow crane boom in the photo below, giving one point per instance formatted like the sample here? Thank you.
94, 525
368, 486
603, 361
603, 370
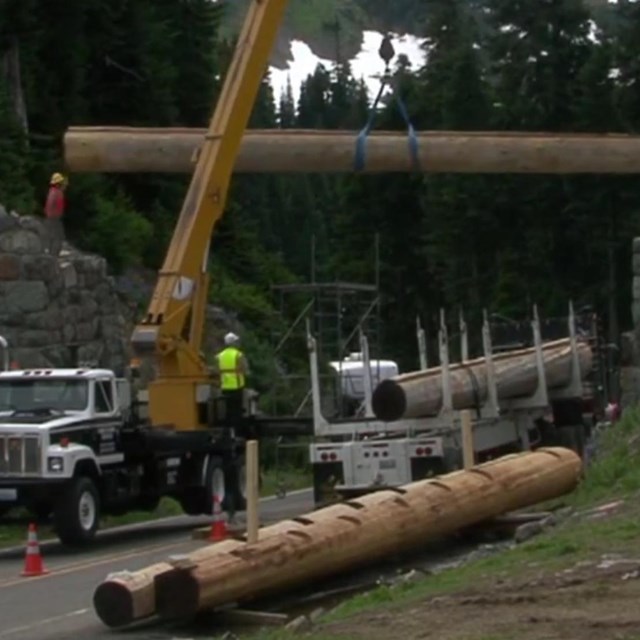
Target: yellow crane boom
173, 325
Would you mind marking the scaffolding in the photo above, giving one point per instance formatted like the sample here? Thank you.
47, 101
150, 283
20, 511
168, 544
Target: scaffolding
336, 312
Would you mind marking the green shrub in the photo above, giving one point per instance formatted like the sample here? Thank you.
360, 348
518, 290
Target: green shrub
117, 232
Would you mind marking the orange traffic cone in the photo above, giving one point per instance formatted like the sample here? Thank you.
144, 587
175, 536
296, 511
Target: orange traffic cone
33, 565
218, 526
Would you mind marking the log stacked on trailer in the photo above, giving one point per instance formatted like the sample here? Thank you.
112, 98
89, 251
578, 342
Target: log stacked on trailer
419, 394
344, 536
171, 150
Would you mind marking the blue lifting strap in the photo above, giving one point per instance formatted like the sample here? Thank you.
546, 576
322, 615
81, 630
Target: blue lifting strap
361, 140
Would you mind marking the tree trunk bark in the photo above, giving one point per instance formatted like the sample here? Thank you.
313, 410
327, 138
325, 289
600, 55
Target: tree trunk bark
419, 394
135, 150
11, 71
344, 536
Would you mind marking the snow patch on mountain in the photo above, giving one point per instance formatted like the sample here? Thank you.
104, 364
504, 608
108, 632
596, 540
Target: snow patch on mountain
367, 65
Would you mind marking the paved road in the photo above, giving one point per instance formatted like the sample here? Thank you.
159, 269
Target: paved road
59, 606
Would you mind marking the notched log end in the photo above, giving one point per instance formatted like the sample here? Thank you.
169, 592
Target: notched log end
113, 603
177, 593
389, 401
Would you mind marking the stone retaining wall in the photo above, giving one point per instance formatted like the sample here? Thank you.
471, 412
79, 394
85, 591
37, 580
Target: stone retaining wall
52, 308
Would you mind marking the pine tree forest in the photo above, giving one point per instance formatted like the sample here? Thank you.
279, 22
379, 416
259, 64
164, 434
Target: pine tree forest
452, 241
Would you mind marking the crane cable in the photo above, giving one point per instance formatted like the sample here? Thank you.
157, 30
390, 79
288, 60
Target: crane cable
387, 53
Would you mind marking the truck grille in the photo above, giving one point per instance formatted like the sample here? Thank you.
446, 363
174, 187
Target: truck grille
19, 455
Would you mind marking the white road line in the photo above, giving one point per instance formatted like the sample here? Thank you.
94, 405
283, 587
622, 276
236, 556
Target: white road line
42, 623
9, 551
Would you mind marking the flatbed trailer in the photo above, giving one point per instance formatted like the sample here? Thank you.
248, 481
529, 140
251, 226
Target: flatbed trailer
357, 455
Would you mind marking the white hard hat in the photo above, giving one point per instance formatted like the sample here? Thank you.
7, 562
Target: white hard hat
231, 338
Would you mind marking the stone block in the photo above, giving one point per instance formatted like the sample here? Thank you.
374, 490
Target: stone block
20, 241
91, 352
69, 275
69, 333
636, 245
85, 332
70, 313
40, 267
50, 320
38, 338
7, 223
31, 223
12, 319
636, 264
10, 267
24, 296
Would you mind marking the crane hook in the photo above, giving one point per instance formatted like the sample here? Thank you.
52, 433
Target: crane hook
386, 50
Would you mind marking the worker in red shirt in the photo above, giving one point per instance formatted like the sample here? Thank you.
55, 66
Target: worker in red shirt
54, 210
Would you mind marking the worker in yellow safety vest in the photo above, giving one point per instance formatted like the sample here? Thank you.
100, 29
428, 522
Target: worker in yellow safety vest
233, 369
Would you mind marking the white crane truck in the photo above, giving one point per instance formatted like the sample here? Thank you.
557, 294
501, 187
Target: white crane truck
72, 444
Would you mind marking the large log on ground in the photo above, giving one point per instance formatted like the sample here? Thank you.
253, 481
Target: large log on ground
171, 150
126, 597
344, 536
419, 394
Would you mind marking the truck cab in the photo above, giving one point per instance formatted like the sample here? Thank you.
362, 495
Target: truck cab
58, 425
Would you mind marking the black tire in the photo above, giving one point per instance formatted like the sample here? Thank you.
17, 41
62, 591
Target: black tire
198, 500
149, 503
192, 504
76, 515
41, 510
237, 485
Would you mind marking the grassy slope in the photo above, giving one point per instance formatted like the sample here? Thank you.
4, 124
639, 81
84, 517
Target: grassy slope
613, 476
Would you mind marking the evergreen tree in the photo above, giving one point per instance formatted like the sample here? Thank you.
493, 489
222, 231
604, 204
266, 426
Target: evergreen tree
287, 107
15, 189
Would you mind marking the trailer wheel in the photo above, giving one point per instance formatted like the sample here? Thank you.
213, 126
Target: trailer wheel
237, 483
76, 515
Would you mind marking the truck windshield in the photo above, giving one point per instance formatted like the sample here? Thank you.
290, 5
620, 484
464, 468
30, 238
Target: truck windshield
37, 394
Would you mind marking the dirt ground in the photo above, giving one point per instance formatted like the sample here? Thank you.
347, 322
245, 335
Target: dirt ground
593, 600
588, 602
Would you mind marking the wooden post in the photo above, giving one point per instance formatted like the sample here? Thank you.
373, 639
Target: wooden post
468, 456
252, 491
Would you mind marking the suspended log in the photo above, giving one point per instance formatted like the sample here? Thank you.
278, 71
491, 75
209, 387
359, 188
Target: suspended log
171, 150
419, 394
344, 536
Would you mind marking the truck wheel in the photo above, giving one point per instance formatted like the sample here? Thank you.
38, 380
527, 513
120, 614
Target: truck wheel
77, 514
41, 510
237, 483
215, 485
